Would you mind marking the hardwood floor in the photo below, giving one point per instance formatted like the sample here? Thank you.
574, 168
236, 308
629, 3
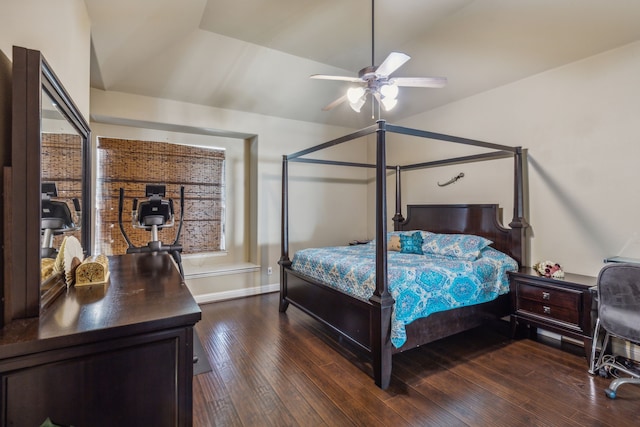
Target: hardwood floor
273, 369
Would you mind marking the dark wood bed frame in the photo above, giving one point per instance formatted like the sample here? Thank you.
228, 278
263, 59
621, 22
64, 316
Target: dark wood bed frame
367, 324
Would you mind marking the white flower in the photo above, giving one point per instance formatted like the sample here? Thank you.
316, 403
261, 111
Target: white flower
549, 269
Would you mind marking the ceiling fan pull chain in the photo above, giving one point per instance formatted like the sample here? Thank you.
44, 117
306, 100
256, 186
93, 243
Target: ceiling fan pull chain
373, 108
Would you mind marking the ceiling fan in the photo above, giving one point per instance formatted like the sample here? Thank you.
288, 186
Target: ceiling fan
376, 80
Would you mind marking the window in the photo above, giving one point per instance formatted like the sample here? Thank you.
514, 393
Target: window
132, 164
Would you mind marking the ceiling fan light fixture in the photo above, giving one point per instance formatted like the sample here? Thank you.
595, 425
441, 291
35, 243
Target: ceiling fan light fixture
354, 94
389, 90
388, 103
357, 105
377, 82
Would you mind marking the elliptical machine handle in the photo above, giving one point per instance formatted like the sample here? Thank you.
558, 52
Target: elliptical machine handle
78, 209
120, 203
177, 240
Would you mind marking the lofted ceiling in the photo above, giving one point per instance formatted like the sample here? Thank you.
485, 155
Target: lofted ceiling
257, 55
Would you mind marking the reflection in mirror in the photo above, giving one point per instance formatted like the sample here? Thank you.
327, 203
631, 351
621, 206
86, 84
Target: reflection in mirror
61, 195
50, 145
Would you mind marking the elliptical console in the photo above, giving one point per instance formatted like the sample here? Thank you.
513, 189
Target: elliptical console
55, 218
152, 215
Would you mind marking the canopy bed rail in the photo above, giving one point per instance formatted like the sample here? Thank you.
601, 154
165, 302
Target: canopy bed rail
367, 323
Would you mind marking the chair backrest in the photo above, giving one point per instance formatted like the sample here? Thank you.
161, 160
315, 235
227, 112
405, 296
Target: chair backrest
619, 300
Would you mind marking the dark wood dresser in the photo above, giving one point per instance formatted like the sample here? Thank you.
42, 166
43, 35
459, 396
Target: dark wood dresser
106, 355
563, 306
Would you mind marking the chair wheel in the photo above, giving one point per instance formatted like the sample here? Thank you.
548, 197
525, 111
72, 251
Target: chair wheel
603, 372
611, 394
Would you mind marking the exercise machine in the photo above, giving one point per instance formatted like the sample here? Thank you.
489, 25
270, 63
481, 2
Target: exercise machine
153, 215
55, 218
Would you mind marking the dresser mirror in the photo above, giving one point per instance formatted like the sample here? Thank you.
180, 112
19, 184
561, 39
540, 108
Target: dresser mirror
50, 187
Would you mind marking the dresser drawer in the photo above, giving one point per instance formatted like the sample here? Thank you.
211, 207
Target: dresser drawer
555, 312
561, 298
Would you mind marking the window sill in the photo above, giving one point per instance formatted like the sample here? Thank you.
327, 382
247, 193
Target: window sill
192, 271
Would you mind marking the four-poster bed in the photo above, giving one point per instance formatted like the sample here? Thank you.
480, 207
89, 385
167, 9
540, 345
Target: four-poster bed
367, 323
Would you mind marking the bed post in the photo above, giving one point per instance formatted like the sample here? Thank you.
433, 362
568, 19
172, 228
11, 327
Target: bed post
398, 218
284, 235
519, 223
381, 300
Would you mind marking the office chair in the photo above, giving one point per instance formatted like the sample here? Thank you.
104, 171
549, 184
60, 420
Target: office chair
619, 316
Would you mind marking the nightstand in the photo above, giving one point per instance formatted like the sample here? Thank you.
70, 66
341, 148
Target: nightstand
562, 306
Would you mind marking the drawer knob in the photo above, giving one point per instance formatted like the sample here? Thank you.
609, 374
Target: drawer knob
546, 309
546, 295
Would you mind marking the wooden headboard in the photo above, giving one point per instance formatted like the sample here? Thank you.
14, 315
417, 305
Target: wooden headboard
481, 220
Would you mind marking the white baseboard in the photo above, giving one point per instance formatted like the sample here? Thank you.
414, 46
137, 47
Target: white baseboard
238, 293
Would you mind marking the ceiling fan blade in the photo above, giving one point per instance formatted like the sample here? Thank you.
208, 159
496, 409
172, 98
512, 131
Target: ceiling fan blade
335, 103
391, 63
341, 78
434, 82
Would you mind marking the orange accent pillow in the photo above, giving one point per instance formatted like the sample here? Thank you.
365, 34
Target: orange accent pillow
394, 243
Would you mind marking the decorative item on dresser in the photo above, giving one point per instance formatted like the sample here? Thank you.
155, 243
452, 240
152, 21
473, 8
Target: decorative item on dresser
563, 306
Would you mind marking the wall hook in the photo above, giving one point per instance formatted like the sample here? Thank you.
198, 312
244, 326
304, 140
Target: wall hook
452, 180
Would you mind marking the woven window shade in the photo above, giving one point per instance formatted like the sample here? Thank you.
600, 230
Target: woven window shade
132, 164
61, 163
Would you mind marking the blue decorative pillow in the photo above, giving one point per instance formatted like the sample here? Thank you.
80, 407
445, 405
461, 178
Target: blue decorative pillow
461, 246
411, 244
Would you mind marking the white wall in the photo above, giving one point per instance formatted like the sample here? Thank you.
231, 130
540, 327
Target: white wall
579, 124
60, 29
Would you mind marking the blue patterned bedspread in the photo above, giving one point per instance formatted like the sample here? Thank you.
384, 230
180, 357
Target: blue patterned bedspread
419, 284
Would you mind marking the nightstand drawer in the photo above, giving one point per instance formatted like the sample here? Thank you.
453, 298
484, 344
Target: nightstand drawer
563, 314
562, 298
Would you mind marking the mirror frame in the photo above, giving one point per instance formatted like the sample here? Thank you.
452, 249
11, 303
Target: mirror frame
30, 76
